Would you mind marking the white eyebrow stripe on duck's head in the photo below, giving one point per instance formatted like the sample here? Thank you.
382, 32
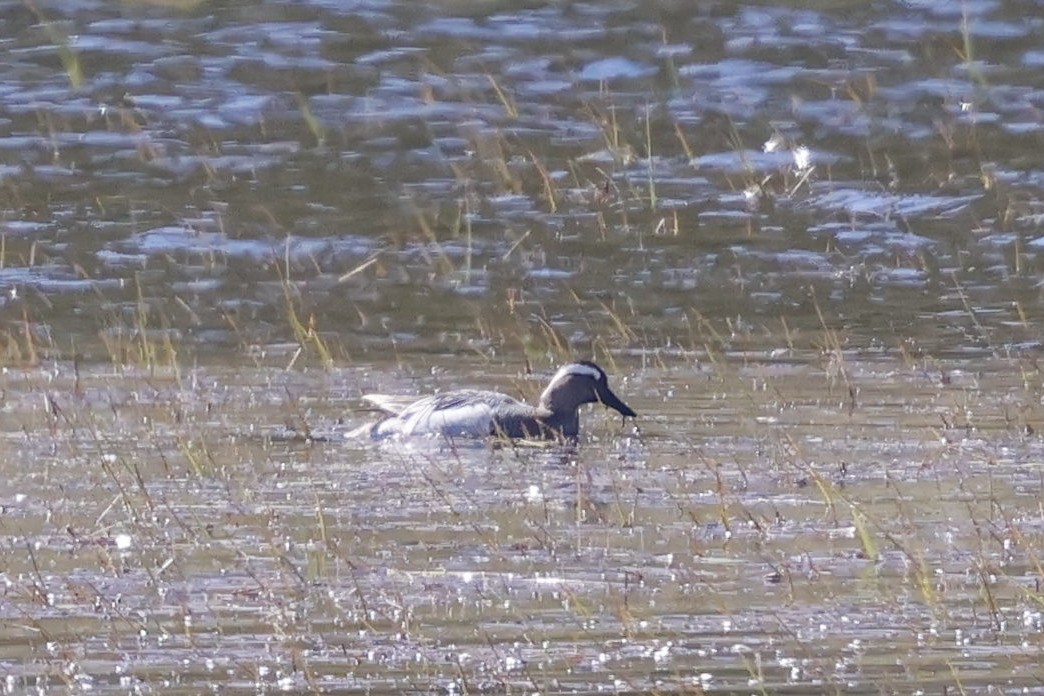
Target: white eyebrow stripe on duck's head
579, 370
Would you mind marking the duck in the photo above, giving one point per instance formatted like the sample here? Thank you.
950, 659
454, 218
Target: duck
474, 413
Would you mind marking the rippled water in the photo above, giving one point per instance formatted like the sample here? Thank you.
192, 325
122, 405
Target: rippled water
804, 241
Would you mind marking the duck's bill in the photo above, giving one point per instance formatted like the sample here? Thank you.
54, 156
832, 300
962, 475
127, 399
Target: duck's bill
612, 401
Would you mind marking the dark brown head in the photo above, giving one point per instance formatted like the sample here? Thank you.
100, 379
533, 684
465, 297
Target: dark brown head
581, 383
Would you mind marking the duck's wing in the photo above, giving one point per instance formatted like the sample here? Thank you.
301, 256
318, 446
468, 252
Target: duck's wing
393, 404
464, 413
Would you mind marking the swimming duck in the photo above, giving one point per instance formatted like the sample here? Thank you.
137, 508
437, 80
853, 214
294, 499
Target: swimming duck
475, 413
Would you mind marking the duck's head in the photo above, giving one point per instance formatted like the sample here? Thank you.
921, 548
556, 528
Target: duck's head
581, 383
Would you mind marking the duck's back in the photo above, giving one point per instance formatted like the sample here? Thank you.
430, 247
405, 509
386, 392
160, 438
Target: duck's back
462, 413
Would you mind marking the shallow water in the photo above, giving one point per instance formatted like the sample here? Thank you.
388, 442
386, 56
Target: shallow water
803, 241
759, 531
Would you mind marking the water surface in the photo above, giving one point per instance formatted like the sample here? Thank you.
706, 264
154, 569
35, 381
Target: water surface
804, 242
